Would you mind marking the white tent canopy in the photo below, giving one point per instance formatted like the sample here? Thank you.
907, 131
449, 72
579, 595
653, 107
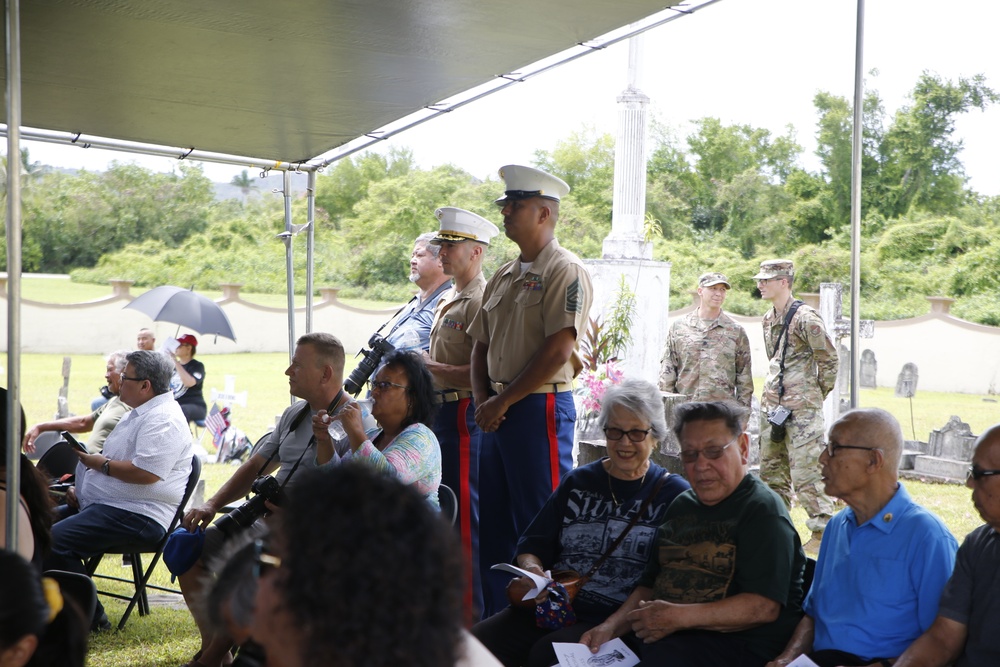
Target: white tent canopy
283, 82
259, 82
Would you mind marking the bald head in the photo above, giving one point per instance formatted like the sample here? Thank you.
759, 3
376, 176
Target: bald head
988, 444
986, 489
873, 427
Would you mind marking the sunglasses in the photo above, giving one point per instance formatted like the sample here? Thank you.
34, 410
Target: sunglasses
635, 435
382, 385
976, 473
691, 455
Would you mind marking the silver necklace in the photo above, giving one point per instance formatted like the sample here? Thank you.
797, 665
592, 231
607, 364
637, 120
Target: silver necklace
611, 488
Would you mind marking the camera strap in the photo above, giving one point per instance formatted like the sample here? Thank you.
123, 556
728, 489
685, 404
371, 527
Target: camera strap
296, 422
783, 343
420, 307
312, 440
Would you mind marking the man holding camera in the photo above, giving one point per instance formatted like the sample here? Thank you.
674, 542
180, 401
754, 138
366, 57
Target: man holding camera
525, 357
412, 329
315, 375
463, 238
801, 372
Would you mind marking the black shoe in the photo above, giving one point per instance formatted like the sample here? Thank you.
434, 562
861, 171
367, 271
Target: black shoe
101, 624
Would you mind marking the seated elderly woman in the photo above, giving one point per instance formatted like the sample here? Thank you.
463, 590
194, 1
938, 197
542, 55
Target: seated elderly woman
323, 599
592, 506
403, 444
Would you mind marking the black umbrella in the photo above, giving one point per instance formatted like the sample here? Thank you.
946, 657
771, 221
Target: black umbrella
186, 308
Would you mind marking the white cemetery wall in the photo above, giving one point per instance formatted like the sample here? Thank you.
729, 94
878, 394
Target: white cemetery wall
953, 355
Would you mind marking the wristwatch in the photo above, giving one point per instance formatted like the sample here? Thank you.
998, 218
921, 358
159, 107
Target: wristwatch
106, 467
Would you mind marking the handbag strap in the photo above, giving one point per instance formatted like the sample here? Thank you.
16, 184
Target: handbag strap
635, 519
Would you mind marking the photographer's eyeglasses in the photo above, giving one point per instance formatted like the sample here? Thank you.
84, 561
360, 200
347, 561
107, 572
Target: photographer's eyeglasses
976, 473
712, 453
382, 385
635, 435
124, 377
263, 560
832, 447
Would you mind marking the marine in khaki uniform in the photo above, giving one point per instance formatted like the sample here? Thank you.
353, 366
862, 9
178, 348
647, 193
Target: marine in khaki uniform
462, 238
791, 460
707, 354
526, 355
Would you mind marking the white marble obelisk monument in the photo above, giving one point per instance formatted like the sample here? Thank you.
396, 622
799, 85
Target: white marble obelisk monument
626, 251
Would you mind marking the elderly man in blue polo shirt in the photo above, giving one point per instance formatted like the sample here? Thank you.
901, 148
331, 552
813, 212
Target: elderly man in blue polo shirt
883, 561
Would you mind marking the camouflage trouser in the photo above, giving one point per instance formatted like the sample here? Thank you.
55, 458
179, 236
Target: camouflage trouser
794, 463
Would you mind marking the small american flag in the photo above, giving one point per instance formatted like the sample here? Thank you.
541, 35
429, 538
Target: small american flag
216, 423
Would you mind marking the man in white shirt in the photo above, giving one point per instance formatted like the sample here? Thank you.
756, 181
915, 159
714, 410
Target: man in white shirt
127, 495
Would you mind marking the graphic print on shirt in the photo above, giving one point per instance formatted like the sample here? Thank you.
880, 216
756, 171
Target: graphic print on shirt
591, 525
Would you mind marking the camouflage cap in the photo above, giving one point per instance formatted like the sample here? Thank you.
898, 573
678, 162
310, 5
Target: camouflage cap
775, 268
709, 279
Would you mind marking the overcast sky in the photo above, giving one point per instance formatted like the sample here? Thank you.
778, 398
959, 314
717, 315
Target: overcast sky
758, 63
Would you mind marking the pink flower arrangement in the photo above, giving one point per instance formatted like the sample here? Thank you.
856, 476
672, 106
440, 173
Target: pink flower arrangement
596, 382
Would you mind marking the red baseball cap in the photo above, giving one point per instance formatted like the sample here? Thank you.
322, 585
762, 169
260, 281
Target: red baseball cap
188, 339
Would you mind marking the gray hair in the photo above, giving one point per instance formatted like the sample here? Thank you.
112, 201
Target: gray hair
639, 397
732, 413
153, 366
118, 359
425, 240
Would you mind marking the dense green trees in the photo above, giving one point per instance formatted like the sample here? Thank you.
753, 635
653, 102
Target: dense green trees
73, 220
724, 197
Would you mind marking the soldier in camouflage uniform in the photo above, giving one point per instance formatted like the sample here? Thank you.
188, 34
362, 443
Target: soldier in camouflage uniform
707, 355
810, 373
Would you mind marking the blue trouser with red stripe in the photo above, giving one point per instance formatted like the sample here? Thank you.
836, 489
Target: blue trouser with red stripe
519, 466
456, 431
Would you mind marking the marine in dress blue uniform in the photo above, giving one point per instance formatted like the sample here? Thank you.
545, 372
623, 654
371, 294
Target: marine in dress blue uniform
462, 238
526, 355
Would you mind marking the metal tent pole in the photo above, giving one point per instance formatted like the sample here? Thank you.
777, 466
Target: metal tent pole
288, 236
13, 407
310, 245
857, 147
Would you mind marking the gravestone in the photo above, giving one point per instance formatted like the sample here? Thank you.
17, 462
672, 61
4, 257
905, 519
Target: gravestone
906, 383
869, 369
844, 361
949, 450
953, 441
62, 403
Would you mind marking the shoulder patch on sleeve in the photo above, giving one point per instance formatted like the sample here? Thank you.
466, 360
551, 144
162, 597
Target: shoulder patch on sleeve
573, 303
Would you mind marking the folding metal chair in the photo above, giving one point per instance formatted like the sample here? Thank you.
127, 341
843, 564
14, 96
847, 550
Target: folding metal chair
140, 576
58, 460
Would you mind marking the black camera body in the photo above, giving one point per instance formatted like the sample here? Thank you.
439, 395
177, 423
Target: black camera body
379, 348
777, 418
265, 489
